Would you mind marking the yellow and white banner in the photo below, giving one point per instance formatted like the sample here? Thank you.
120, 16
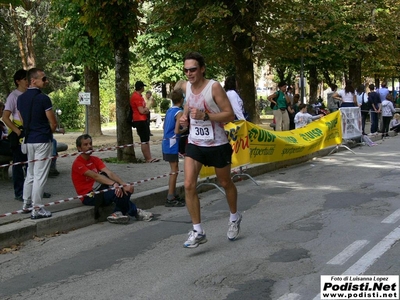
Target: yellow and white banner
253, 144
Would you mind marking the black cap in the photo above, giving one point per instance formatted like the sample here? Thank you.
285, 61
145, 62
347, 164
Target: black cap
139, 85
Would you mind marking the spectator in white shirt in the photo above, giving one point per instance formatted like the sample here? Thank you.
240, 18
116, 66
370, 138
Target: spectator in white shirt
234, 98
302, 118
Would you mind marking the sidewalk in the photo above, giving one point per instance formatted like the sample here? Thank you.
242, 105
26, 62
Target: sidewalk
71, 214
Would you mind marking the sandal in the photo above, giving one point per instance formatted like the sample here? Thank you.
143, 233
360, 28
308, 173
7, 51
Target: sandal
153, 160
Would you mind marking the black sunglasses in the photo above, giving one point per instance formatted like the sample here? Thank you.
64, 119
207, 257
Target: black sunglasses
44, 79
191, 70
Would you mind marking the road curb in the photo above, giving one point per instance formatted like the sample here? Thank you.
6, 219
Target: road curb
82, 216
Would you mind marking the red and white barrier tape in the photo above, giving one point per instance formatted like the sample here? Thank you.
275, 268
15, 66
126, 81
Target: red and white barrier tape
90, 194
78, 153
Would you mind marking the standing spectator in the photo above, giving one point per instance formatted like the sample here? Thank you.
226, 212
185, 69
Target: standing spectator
293, 109
375, 108
302, 118
170, 146
362, 100
88, 169
289, 93
281, 100
398, 99
292, 113
387, 113
234, 98
39, 122
296, 103
140, 122
4, 143
12, 120
180, 84
383, 91
207, 109
347, 96
333, 103
152, 116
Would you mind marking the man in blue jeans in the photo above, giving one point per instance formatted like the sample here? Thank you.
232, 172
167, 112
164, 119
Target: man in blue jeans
375, 102
88, 169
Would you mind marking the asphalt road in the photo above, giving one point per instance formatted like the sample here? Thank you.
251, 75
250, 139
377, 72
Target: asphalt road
337, 214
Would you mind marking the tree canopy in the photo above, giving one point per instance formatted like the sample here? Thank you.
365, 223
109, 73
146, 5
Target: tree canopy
337, 39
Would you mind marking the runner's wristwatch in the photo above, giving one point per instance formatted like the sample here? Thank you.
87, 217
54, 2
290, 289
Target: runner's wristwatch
206, 117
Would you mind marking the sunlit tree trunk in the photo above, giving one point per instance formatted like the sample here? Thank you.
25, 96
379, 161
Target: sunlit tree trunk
24, 35
92, 87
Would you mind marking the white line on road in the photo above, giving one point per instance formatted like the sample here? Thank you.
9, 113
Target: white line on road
393, 218
372, 255
290, 296
350, 250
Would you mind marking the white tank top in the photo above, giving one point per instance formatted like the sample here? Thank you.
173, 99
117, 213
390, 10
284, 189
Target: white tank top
205, 133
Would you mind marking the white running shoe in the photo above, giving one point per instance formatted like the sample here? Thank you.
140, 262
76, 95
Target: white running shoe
118, 218
40, 213
234, 228
195, 239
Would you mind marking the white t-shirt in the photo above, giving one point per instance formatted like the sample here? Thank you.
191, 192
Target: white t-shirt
237, 104
11, 104
346, 97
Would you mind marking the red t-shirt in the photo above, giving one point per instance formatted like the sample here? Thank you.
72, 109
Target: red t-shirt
84, 184
136, 101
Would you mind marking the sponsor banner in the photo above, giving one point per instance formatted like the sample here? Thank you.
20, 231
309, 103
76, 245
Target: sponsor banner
254, 144
359, 287
272, 146
238, 137
351, 122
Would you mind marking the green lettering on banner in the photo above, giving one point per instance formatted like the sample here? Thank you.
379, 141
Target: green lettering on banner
293, 150
312, 134
332, 135
315, 145
232, 134
289, 139
254, 152
332, 124
261, 136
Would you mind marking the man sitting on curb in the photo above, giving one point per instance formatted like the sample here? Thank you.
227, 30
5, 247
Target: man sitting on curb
88, 169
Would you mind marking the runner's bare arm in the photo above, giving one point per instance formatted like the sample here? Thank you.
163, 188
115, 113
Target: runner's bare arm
183, 120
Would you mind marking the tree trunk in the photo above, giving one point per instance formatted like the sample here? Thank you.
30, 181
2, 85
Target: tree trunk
355, 72
30, 49
122, 96
313, 81
245, 74
24, 35
164, 90
92, 87
19, 38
